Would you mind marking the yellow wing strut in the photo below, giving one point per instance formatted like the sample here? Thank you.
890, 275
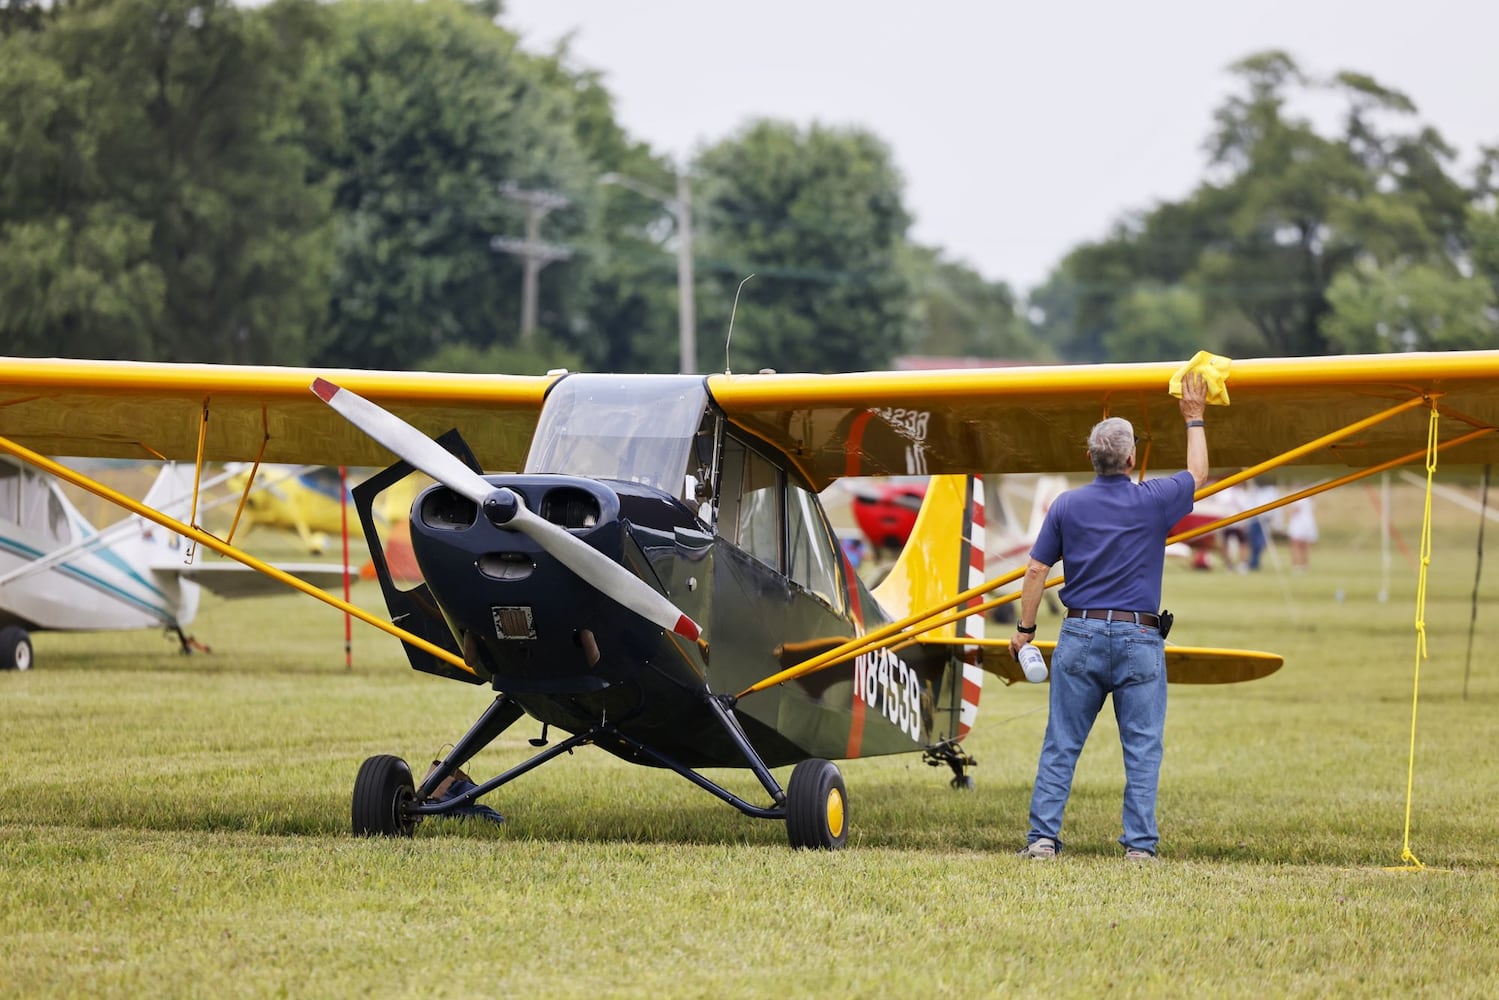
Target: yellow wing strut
204, 538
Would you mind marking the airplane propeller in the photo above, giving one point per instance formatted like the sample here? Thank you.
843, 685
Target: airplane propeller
506, 508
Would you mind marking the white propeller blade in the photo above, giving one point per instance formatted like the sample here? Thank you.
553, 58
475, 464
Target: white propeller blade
404, 440
609, 577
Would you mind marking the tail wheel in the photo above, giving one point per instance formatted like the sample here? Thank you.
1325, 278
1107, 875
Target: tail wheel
383, 796
15, 648
816, 806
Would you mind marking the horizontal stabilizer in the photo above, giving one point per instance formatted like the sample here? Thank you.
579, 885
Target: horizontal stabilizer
232, 579
1184, 664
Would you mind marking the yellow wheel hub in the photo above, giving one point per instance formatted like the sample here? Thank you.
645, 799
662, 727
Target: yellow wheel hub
835, 812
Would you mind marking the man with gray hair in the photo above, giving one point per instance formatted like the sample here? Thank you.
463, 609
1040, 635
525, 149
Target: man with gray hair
1111, 534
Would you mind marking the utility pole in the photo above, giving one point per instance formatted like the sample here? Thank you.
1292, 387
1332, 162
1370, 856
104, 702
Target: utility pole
686, 304
534, 254
681, 209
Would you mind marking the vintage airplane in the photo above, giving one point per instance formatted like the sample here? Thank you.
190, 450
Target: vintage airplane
658, 578
59, 573
306, 502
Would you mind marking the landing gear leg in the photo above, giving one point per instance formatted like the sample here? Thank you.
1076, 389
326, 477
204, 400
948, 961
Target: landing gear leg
954, 756
498, 717
187, 644
386, 801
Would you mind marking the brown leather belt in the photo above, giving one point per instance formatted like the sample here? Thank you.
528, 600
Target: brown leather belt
1138, 617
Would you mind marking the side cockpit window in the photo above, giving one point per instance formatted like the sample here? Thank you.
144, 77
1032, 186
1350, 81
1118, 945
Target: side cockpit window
768, 513
27, 499
10, 492
752, 493
814, 562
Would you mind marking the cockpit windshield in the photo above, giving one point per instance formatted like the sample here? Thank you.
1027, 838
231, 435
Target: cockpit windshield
640, 429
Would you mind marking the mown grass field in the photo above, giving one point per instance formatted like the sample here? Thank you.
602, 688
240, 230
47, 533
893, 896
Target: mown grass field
177, 826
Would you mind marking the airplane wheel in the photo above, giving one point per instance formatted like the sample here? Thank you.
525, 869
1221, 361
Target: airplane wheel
15, 648
816, 806
383, 793
963, 782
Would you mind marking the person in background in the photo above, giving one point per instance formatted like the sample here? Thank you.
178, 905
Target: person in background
1254, 528
854, 549
1301, 533
1112, 535
1235, 537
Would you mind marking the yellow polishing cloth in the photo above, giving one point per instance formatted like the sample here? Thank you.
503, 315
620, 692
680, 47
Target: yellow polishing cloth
1213, 368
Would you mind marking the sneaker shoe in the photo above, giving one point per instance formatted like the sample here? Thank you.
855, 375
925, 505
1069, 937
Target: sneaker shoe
1135, 854
1040, 849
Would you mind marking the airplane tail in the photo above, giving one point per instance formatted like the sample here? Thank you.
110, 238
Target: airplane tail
148, 544
943, 558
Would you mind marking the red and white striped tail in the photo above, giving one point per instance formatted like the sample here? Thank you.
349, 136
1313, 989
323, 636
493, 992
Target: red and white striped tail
972, 626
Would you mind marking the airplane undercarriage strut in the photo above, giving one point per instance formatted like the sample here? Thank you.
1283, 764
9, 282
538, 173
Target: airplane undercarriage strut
504, 712
187, 644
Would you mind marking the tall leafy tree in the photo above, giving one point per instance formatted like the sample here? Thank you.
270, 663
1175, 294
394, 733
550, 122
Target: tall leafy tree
22, 15
155, 203
957, 313
76, 269
1157, 324
1416, 308
439, 110
1286, 211
818, 216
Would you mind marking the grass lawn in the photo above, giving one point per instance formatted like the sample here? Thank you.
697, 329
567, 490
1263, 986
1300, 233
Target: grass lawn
177, 826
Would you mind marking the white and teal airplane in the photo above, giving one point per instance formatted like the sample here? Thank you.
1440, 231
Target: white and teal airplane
59, 573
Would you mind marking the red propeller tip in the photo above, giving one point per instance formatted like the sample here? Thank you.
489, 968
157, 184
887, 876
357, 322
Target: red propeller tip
686, 628
325, 390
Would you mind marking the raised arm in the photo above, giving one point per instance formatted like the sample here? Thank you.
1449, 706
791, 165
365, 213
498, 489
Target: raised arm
1193, 404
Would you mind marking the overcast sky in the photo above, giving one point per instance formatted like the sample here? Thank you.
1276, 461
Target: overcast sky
1021, 129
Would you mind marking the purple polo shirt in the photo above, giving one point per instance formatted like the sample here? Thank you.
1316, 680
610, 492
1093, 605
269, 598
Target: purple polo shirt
1111, 534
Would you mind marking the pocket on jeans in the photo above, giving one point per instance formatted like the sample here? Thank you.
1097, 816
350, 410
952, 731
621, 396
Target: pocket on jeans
1144, 659
1071, 655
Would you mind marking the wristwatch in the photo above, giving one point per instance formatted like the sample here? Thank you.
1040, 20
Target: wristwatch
1025, 631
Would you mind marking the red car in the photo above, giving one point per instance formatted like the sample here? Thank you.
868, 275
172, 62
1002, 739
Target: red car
887, 514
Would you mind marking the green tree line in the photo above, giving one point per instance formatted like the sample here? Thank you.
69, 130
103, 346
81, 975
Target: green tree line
320, 183
1297, 243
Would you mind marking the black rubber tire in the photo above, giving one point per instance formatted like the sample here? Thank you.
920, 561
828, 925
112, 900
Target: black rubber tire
383, 793
15, 648
816, 806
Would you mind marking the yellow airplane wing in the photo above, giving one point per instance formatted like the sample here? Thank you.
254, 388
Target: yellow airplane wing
1036, 419
121, 409
1018, 419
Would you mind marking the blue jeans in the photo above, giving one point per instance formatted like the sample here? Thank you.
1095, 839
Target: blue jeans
1256, 542
1093, 659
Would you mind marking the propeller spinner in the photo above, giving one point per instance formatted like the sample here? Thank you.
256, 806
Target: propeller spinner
505, 508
